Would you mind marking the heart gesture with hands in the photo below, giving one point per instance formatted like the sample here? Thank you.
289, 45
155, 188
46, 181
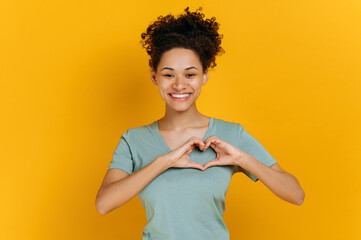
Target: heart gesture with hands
179, 157
227, 154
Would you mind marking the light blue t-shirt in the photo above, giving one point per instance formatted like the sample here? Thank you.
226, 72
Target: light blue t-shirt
185, 203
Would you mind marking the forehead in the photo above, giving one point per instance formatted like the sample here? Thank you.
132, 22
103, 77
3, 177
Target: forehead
179, 58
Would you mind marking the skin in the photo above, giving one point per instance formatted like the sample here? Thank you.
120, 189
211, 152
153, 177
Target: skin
183, 128
180, 115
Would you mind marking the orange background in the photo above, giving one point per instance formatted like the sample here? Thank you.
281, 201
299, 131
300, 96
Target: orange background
74, 77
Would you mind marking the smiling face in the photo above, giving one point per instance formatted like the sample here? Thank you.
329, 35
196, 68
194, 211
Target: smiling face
179, 78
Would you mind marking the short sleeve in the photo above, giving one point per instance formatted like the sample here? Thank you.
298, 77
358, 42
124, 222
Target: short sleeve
122, 156
250, 145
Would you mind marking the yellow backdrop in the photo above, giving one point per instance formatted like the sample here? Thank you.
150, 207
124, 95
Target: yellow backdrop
74, 78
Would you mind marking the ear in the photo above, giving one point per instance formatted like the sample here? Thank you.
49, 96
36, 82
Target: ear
153, 76
205, 77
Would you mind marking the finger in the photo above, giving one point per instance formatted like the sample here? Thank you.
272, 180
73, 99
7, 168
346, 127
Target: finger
214, 146
211, 163
202, 146
190, 144
210, 141
198, 142
192, 147
196, 165
206, 143
218, 144
194, 140
213, 136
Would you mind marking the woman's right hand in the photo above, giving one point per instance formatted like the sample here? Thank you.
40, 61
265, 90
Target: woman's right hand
179, 157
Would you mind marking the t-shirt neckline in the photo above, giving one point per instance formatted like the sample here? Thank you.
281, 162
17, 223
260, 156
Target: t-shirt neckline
206, 135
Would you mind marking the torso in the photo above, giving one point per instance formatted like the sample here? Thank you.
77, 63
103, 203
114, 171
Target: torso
175, 139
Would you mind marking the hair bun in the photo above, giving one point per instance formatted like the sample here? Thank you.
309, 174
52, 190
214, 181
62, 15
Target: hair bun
189, 30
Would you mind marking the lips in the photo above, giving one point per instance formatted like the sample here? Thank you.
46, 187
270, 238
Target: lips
180, 98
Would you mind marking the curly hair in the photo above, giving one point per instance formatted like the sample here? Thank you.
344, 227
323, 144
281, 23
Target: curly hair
189, 31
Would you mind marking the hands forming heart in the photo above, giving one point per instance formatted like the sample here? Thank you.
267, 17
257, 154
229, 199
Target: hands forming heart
227, 154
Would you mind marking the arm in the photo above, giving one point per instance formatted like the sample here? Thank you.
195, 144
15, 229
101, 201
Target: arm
112, 194
280, 182
120, 189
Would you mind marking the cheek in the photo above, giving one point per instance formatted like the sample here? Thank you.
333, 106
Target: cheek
197, 86
163, 88
162, 85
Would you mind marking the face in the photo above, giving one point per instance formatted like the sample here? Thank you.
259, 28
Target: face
179, 78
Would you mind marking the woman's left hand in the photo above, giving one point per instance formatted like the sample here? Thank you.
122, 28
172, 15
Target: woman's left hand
227, 154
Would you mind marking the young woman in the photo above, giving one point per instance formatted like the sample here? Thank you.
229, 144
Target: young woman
180, 166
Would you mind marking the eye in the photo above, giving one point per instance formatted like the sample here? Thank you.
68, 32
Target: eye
168, 75
190, 75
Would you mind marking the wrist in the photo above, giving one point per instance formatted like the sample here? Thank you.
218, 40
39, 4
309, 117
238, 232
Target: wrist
163, 162
241, 159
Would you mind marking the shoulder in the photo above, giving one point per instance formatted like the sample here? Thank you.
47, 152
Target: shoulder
227, 125
143, 131
225, 128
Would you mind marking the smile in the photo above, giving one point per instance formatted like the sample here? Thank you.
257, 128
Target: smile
180, 97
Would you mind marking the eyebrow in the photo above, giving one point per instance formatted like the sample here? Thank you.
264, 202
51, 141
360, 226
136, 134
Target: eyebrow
173, 69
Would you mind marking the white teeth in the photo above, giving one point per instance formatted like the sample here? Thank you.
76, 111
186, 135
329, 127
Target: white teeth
180, 95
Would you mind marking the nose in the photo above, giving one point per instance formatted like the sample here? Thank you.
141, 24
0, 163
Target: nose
179, 83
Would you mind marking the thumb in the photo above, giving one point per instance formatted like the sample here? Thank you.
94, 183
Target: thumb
211, 163
195, 165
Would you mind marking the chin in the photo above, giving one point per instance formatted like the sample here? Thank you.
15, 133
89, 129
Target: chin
178, 108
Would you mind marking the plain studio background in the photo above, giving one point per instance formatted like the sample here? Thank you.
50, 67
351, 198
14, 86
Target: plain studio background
74, 77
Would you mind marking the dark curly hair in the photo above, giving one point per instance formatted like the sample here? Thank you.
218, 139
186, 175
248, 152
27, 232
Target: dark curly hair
189, 31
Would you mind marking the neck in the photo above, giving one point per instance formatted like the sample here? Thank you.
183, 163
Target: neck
178, 120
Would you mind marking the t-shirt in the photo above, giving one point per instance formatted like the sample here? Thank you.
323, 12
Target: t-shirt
185, 203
